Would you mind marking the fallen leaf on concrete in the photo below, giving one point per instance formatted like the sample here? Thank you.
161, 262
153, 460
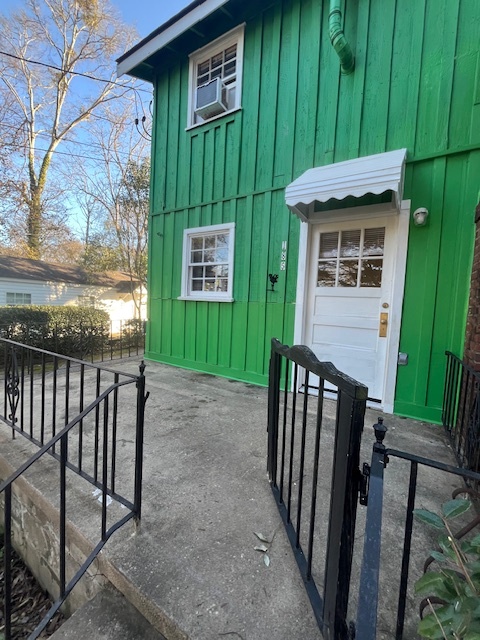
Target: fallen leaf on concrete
266, 560
261, 537
261, 547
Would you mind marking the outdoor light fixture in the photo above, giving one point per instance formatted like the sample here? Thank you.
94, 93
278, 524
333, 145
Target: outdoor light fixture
420, 217
273, 277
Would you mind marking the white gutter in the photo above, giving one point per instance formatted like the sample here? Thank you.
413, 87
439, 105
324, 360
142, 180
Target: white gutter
165, 37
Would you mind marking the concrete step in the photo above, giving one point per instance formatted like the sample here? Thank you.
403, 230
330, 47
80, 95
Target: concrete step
108, 616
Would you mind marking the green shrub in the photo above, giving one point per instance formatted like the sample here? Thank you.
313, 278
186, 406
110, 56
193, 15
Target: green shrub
133, 332
455, 585
71, 331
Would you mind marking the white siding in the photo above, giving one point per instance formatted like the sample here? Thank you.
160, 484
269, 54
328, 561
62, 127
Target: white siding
118, 306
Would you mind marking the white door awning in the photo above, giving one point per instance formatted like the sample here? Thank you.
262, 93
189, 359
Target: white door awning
372, 174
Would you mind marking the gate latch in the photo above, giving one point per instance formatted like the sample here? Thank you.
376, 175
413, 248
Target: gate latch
364, 483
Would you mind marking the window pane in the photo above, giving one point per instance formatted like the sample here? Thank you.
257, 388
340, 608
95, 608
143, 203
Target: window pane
350, 244
210, 272
209, 255
326, 273
371, 275
374, 242
209, 285
347, 273
222, 271
197, 272
329, 245
209, 242
197, 243
231, 52
197, 285
217, 60
222, 284
216, 73
222, 255
203, 80
229, 97
197, 256
203, 68
229, 68
222, 240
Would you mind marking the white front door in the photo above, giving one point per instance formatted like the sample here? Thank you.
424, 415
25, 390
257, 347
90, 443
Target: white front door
348, 314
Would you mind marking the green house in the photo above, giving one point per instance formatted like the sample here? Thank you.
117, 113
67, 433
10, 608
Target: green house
315, 172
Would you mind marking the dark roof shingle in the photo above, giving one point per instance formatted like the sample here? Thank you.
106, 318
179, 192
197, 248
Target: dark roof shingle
26, 269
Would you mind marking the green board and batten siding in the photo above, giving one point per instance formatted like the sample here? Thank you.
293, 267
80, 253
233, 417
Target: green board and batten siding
416, 85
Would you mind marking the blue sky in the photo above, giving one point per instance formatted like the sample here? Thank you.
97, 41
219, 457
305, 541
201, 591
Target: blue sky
146, 15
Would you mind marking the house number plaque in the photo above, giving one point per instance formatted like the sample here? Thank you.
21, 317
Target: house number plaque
283, 256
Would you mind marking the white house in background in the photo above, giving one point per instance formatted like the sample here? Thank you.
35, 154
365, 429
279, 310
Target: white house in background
24, 281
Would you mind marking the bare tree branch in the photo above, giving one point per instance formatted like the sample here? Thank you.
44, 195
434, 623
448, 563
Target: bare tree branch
71, 36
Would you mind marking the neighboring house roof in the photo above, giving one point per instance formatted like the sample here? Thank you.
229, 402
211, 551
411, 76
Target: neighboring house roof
15, 268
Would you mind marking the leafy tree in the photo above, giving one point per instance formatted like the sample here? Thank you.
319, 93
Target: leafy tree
101, 255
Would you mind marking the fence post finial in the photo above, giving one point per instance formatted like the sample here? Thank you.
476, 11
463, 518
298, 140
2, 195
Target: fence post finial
380, 431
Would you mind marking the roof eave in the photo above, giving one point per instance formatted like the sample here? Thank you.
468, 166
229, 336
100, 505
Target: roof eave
135, 61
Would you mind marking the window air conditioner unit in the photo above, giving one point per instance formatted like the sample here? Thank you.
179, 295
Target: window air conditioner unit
209, 101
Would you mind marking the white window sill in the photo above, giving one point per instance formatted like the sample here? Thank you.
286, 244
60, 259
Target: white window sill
220, 115
205, 299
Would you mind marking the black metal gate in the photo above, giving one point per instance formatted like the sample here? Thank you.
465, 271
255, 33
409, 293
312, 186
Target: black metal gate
302, 453
70, 410
300, 464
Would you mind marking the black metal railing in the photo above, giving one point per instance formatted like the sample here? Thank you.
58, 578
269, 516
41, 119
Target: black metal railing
395, 556
96, 343
316, 485
77, 413
461, 411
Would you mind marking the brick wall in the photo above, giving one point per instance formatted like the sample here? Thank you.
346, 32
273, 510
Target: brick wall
472, 333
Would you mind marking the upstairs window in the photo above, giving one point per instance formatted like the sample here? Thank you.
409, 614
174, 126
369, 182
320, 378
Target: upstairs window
208, 263
18, 298
216, 78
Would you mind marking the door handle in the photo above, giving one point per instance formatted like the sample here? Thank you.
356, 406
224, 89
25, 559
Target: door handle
382, 331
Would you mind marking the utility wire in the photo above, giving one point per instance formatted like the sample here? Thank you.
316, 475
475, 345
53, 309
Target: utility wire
83, 75
87, 144
74, 73
62, 153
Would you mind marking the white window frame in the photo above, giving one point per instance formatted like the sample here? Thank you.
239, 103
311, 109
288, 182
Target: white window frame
235, 36
15, 294
207, 296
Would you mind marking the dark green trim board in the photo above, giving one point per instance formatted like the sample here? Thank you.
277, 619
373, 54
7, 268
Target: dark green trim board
414, 86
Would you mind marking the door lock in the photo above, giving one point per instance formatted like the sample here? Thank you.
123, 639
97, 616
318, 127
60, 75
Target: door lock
382, 332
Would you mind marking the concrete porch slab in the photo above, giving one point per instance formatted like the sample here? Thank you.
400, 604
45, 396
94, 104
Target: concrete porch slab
191, 568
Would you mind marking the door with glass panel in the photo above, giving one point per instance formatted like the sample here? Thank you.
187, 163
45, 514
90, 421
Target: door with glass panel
349, 297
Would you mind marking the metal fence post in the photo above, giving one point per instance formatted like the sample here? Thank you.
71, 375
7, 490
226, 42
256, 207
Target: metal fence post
370, 574
141, 400
273, 413
343, 510
7, 559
